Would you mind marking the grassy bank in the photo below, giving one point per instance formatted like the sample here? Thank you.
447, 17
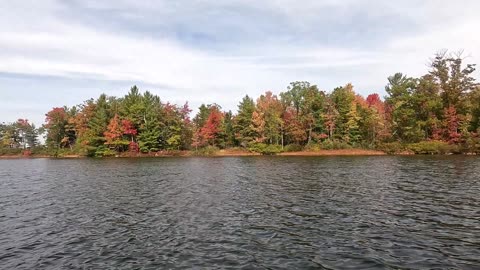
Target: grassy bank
220, 153
421, 148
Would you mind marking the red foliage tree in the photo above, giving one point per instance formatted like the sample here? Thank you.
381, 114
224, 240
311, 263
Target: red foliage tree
129, 128
452, 122
373, 100
293, 128
81, 120
114, 130
210, 130
55, 116
56, 121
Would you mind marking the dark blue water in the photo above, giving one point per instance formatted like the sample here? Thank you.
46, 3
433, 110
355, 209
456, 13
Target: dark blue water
241, 213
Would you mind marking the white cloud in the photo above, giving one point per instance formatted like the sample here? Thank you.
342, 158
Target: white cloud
36, 40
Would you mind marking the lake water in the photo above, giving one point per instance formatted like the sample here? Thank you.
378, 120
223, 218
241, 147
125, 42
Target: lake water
241, 213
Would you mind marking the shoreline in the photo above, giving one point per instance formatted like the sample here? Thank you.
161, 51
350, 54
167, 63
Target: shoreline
235, 153
340, 152
221, 153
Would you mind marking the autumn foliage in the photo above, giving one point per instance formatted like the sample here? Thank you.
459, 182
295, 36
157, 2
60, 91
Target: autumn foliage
209, 133
441, 107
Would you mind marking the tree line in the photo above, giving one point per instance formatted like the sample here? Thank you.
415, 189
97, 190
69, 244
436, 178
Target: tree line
440, 108
18, 135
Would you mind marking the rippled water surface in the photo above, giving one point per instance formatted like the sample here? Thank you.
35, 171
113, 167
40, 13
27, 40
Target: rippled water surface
245, 213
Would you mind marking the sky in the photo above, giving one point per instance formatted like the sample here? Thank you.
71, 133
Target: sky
55, 53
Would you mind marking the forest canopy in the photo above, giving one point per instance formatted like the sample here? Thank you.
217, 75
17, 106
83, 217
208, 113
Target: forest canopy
441, 107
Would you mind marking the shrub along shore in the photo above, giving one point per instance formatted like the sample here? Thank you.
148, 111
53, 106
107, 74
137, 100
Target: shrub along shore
423, 148
437, 113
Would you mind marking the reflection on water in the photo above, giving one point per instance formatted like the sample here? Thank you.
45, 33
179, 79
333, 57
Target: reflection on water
249, 213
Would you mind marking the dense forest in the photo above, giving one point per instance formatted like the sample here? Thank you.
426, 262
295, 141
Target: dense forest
436, 113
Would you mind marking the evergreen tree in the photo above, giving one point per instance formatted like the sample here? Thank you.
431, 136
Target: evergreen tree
243, 123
